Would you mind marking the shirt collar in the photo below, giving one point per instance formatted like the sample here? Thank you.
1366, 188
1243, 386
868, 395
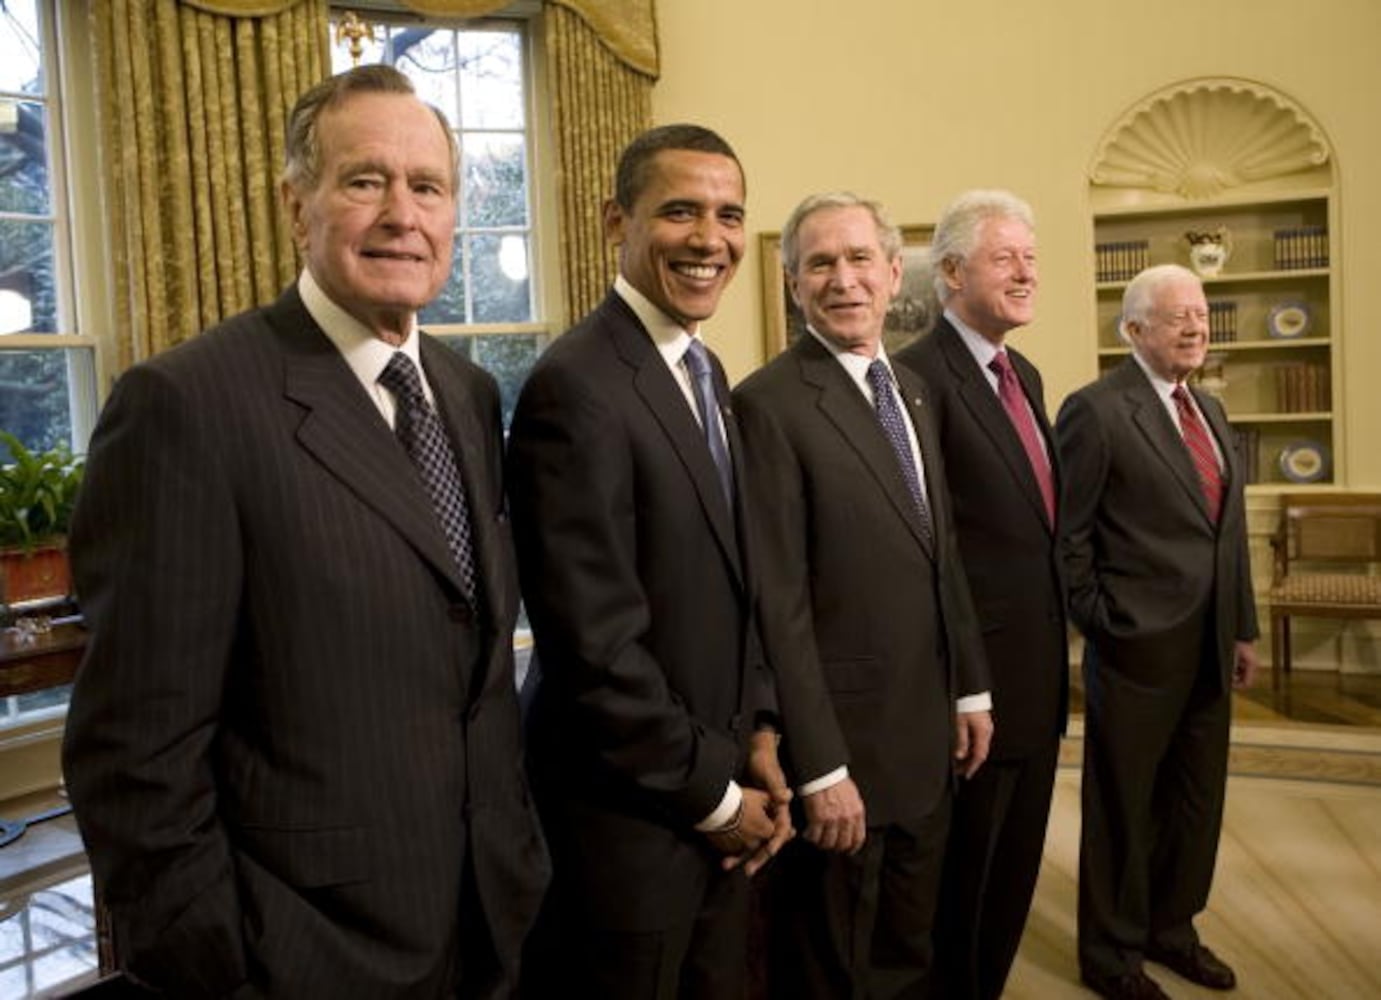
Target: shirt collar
365, 353
856, 365
982, 349
669, 337
1164, 387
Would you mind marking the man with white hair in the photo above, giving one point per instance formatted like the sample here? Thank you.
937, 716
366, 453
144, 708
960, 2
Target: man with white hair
1153, 533
987, 401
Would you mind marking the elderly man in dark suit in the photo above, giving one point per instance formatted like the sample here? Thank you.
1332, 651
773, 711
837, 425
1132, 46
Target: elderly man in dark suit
293, 746
1155, 548
629, 504
867, 616
988, 405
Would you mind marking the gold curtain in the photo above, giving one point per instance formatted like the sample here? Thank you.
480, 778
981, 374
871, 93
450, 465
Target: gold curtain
193, 109
599, 103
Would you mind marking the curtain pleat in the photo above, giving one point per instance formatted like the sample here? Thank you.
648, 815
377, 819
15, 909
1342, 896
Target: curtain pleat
193, 113
194, 108
598, 105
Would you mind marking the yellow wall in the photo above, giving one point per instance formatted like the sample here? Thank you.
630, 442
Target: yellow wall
912, 101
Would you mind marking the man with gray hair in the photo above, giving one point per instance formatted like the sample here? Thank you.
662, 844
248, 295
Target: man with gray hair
1154, 541
987, 402
293, 746
866, 617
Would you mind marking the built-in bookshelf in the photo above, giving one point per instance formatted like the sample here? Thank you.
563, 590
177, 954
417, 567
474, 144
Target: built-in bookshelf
1273, 318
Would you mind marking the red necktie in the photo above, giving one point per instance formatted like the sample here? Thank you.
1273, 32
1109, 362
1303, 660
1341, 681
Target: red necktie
1014, 402
1200, 447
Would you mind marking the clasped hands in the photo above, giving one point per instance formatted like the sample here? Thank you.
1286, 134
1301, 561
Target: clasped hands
763, 822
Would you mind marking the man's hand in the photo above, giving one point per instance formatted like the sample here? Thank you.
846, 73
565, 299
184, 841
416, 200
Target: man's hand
973, 735
835, 818
756, 833
1244, 665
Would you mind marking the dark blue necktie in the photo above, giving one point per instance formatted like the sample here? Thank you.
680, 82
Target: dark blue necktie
894, 426
419, 429
697, 360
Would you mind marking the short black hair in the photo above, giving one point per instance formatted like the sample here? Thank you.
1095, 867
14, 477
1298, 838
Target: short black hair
638, 155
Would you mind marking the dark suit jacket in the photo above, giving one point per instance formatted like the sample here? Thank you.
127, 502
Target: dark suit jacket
287, 730
870, 629
1141, 556
1006, 541
639, 591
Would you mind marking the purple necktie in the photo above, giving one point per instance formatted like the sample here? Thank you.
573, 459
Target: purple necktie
1014, 402
889, 415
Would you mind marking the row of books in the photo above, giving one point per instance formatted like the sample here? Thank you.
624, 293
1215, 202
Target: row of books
1121, 260
1249, 448
1301, 246
1303, 387
1222, 322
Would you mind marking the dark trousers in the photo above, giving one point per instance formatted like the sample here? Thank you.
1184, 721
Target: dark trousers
1155, 772
857, 926
996, 839
704, 957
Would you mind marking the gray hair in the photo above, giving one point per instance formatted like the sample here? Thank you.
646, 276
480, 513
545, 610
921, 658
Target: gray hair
302, 166
889, 236
1140, 295
956, 234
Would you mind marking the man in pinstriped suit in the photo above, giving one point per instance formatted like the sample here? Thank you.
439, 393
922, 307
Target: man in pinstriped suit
293, 747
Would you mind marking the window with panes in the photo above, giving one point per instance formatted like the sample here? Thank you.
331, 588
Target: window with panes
477, 73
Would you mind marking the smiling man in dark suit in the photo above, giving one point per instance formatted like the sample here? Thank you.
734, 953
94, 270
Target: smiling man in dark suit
629, 507
867, 617
987, 403
1154, 539
293, 746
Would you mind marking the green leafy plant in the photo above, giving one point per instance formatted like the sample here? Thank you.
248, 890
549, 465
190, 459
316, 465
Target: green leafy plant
37, 493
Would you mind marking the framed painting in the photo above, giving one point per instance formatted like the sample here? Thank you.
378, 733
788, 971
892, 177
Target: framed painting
912, 313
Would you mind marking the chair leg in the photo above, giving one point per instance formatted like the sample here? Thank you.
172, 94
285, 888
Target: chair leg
1276, 641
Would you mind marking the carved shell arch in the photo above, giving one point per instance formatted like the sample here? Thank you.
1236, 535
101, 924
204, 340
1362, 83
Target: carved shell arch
1200, 138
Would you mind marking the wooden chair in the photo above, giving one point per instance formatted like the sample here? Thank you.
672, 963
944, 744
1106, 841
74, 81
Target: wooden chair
1327, 551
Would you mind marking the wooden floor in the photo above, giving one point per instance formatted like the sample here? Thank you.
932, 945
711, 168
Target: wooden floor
1296, 902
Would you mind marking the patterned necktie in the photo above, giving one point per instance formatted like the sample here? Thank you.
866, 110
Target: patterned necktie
1014, 402
420, 431
697, 359
1200, 447
889, 415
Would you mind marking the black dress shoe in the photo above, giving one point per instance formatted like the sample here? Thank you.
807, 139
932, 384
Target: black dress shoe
1197, 964
1129, 986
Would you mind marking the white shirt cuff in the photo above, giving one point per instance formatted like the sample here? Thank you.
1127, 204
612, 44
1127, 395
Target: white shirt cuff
724, 813
824, 781
982, 702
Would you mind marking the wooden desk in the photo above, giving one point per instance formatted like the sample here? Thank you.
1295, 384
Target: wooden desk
45, 661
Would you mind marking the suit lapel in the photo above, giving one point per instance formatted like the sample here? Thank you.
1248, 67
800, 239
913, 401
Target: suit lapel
1160, 432
653, 382
988, 412
848, 410
343, 430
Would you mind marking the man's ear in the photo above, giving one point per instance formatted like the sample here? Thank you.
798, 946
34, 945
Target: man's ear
791, 287
292, 205
614, 220
949, 267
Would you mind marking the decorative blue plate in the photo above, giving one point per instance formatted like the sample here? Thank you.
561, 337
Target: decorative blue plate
1290, 320
1304, 462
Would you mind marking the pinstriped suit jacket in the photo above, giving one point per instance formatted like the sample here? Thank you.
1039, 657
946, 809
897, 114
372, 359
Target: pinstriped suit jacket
288, 730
